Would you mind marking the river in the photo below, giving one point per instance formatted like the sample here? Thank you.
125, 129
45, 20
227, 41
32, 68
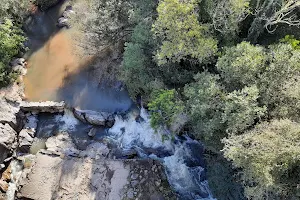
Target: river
58, 72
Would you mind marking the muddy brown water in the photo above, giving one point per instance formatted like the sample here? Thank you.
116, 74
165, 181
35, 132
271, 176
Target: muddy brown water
58, 70
49, 66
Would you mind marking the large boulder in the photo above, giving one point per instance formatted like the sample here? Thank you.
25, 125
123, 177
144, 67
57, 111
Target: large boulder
8, 141
63, 22
10, 99
94, 118
26, 137
45, 107
27, 134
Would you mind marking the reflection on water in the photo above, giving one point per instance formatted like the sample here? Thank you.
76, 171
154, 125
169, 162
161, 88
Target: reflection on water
59, 71
49, 66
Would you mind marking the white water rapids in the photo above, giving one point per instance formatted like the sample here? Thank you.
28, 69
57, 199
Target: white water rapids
182, 157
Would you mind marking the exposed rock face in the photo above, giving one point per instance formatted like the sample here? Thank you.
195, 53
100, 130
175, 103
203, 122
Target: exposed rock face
19, 65
10, 99
63, 172
94, 118
3, 186
8, 138
85, 178
26, 137
61, 144
47, 106
27, 134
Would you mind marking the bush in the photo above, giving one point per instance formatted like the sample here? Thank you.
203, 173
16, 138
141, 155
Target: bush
164, 107
269, 157
11, 41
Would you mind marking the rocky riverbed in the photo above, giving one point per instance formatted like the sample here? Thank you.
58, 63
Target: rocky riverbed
53, 167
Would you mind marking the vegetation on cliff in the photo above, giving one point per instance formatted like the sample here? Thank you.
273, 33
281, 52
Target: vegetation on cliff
231, 66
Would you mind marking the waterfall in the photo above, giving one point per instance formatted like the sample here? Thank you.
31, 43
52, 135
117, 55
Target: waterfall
184, 167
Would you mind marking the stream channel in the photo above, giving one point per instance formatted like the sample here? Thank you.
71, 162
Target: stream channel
56, 72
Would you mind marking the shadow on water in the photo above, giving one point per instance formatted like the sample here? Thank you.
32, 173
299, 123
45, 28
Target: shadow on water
41, 26
79, 90
59, 71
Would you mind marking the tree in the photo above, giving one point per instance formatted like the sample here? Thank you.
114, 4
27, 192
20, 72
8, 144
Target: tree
227, 14
164, 107
138, 70
15, 9
205, 100
107, 22
290, 39
11, 41
241, 65
269, 158
269, 14
279, 83
241, 109
181, 34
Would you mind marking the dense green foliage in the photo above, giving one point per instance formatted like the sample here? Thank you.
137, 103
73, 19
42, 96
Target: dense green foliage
12, 14
231, 66
164, 107
11, 39
205, 105
269, 156
240, 65
181, 33
15, 9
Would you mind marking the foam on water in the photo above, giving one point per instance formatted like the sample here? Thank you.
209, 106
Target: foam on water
129, 132
184, 167
68, 121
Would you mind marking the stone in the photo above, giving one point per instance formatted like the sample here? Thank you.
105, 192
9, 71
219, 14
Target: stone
134, 183
20, 69
157, 183
134, 176
62, 22
61, 143
18, 61
92, 132
130, 194
3, 186
6, 175
67, 13
129, 154
54, 177
26, 137
8, 137
94, 118
43, 107
95, 150
10, 105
